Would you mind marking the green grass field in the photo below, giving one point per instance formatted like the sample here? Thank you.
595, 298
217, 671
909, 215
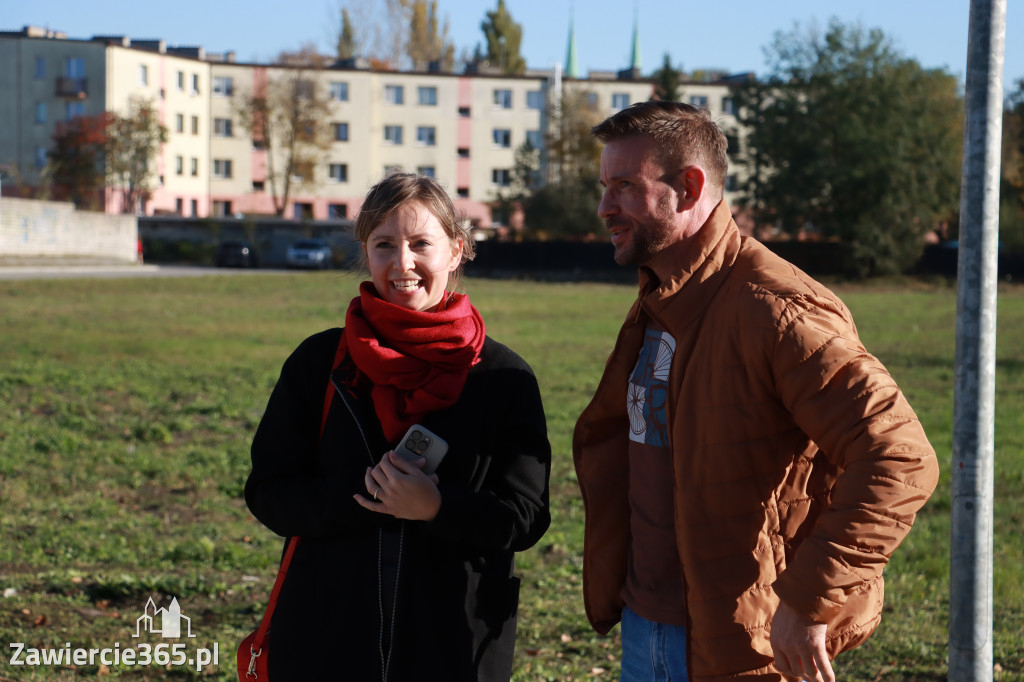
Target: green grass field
129, 406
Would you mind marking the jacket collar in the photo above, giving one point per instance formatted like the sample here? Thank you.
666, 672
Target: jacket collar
704, 265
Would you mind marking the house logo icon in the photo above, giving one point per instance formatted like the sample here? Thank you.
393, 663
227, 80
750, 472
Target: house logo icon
163, 622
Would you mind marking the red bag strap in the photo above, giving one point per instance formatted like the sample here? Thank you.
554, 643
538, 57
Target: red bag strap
256, 648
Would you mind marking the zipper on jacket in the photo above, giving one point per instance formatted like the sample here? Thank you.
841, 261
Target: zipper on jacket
385, 660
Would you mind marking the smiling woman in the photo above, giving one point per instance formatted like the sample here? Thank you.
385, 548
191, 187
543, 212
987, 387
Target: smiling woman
424, 559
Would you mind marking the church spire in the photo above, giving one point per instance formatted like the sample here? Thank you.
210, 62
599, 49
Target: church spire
634, 65
572, 69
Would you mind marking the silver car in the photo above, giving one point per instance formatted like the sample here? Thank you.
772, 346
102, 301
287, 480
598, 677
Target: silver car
309, 253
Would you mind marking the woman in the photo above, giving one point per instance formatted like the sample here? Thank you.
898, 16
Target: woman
401, 575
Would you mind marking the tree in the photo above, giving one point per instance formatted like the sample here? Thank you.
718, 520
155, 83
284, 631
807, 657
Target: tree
288, 117
666, 81
76, 160
849, 139
426, 44
1011, 193
504, 38
133, 142
346, 37
566, 206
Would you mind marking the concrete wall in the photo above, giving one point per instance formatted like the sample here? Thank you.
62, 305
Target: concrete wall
32, 229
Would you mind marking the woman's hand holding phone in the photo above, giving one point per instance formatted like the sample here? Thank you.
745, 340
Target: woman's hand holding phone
398, 486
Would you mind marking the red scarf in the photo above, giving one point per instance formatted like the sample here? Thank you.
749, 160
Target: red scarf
417, 361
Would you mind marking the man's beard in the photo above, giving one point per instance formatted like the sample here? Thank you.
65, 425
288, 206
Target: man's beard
645, 241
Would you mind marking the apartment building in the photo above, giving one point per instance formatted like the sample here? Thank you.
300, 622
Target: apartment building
463, 129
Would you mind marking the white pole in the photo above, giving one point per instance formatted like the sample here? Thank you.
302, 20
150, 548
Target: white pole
970, 579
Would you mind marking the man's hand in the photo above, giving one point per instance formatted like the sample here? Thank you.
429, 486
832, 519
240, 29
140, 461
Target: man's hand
799, 647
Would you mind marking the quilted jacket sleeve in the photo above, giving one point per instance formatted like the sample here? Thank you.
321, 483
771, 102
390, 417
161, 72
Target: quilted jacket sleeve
849, 405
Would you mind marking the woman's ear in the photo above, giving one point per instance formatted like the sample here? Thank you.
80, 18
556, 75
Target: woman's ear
456, 255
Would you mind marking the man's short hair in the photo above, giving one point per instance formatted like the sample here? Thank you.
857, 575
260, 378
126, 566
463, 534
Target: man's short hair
686, 133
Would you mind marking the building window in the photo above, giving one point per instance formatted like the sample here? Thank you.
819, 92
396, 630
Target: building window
40, 112
258, 185
535, 139
338, 172
337, 211
222, 127
195, 84
304, 89
502, 177
143, 74
427, 95
73, 110
195, 207
502, 138
222, 209
463, 152
179, 165
389, 169
223, 86
729, 106
534, 99
181, 81
339, 91
463, 112
40, 157
40, 68
340, 132
179, 123
394, 94
428, 171
74, 67
620, 101
195, 168
503, 99
462, 192
699, 101
222, 168
393, 134
426, 135
302, 211
179, 206
195, 125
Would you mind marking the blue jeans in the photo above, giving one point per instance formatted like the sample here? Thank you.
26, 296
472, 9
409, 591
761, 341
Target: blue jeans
652, 652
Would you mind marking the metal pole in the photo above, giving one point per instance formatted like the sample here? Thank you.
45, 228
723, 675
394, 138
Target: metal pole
970, 576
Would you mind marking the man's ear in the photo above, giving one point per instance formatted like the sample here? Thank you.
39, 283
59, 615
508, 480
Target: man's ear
689, 187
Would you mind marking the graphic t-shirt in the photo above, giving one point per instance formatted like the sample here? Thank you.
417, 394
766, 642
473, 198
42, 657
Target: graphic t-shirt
654, 584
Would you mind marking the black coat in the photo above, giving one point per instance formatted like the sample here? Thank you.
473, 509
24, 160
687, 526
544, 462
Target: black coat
449, 581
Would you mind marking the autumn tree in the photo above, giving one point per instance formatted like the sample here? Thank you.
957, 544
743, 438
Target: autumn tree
76, 160
288, 117
426, 42
666, 81
1011, 194
504, 38
132, 143
566, 205
853, 141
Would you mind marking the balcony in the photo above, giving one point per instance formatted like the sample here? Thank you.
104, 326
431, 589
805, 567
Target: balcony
76, 88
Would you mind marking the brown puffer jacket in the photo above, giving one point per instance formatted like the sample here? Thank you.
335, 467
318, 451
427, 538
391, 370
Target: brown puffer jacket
799, 465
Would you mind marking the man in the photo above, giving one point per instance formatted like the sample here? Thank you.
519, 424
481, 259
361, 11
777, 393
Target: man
747, 468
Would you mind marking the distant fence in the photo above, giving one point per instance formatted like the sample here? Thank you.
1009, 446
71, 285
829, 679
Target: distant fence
172, 239
54, 229
191, 240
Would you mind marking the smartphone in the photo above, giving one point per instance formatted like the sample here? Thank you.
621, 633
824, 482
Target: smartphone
419, 441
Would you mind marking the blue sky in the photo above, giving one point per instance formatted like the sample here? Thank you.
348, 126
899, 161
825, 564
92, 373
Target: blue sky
694, 34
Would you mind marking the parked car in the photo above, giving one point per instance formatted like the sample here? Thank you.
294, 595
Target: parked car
309, 253
235, 255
